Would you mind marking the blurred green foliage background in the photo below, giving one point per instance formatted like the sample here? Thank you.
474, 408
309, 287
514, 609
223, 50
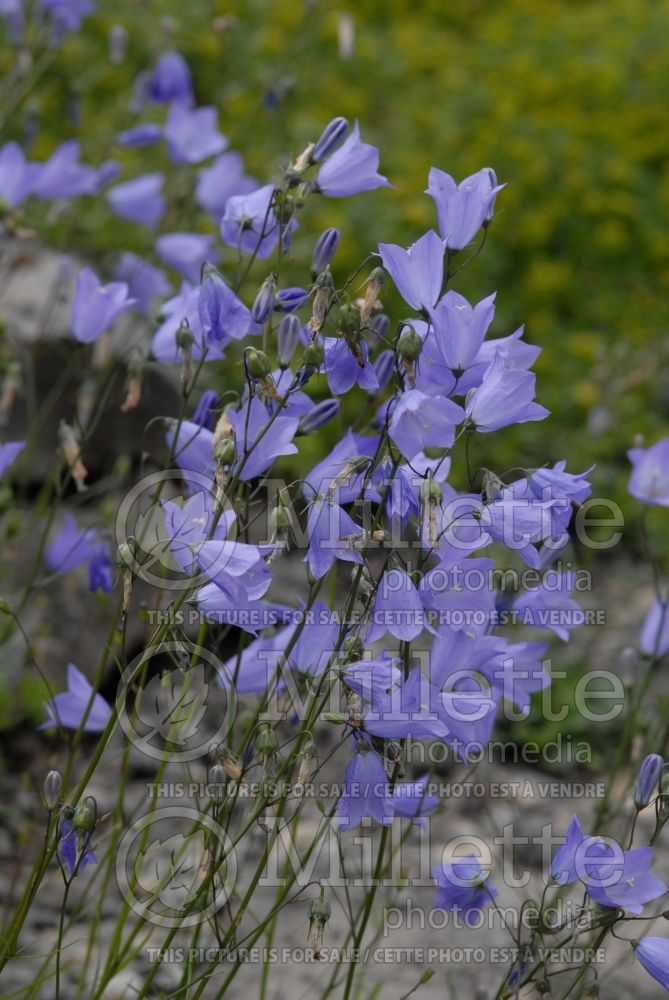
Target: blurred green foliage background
567, 100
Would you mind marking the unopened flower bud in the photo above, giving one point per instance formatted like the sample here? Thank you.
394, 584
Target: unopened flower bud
118, 43
649, 775
224, 452
320, 415
287, 339
375, 283
280, 521
264, 300
257, 363
383, 369
226, 758
431, 490
314, 355
69, 443
319, 914
125, 554
216, 782
331, 137
409, 344
84, 817
267, 743
353, 649
184, 341
324, 286
53, 787
349, 318
324, 251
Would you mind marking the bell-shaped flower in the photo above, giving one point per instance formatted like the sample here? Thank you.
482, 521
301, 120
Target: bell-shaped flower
69, 708
223, 179
417, 272
462, 208
505, 396
192, 135
649, 481
351, 169
332, 535
140, 200
96, 306
419, 421
250, 224
187, 252
365, 790
463, 887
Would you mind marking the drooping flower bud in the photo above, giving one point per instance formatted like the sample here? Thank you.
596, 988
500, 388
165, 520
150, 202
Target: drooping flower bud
257, 364
280, 521
10, 386
133, 386
69, 443
216, 782
409, 347
184, 341
649, 775
288, 337
409, 344
353, 649
321, 414
53, 787
324, 251
264, 300
431, 495
308, 753
280, 526
125, 559
267, 746
332, 135
225, 756
324, 285
85, 816
375, 283
117, 41
319, 914
314, 355
224, 451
